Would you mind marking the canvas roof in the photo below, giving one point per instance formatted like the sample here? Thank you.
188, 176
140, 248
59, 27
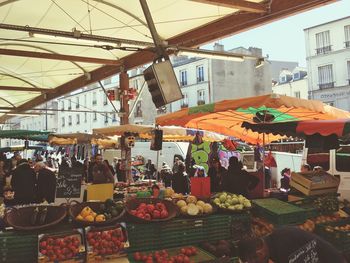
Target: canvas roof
35, 68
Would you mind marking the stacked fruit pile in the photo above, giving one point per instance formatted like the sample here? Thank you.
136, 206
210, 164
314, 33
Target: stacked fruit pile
60, 248
182, 256
193, 207
105, 242
151, 211
231, 201
310, 224
344, 228
327, 204
260, 227
106, 211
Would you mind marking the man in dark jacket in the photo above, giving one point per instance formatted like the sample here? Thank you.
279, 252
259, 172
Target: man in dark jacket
180, 180
46, 183
23, 183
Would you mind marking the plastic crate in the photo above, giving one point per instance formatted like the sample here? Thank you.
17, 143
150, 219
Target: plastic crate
340, 239
202, 255
178, 232
279, 212
308, 206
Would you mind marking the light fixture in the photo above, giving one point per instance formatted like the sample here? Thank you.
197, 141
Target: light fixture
212, 54
23, 114
75, 38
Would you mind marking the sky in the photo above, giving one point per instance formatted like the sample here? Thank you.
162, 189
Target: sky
284, 39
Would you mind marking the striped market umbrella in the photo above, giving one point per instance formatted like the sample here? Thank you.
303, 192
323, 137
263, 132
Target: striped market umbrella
226, 117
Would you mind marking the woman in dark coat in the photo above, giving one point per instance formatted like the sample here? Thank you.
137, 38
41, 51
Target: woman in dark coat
180, 181
238, 180
23, 183
217, 173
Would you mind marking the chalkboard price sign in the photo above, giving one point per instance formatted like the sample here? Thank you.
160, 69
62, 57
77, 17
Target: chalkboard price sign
68, 186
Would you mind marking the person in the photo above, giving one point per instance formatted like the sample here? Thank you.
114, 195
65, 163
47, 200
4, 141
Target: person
305, 168
318, 168
2, 176
109, 166
166, 175
150, 169
101, 174
238, 180
46, 183
200, 171
217, 173
285, 179
119, 172
176, 165
85, 170
91, 166
288, 245
180, 181
23, 183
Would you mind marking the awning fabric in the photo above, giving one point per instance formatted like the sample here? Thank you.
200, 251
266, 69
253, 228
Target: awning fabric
82, 138
24, 135
37, 67
338, 127
226, 117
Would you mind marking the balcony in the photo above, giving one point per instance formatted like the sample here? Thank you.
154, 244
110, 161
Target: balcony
94, 102
69, 123
69, 107
200, 102
326, 85
77, 106
183, 83
105, 102
200, 79
323, 50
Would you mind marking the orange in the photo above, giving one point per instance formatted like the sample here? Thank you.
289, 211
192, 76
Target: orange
89, 218
100, 218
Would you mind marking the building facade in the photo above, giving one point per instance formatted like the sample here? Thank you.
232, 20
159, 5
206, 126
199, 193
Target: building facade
292, 83
328, 61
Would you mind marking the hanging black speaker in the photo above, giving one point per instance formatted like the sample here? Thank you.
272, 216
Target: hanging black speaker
157, 140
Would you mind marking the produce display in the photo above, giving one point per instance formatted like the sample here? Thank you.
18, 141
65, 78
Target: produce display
310, 224
261, 227
327, 204
344, 228
150, 211
193, 207
183, 255
69, 247
106, 243
106, 211
231, 201
38, 216
221, 248
2, 210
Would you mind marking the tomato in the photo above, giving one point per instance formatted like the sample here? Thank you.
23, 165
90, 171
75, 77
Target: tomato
137, 256
43, 244
164, 214
147, 217
186, 259
103, 251
150, 208
183, 251
180, 259
140, 215
109, 251
44, 252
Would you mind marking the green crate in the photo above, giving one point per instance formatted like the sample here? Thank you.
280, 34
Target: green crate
202, 255
340, 239
178, 232
279, 212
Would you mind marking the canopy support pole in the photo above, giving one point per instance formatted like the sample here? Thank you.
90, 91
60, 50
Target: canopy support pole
124, 119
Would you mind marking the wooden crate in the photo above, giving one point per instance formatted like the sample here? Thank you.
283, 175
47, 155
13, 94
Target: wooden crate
314, 183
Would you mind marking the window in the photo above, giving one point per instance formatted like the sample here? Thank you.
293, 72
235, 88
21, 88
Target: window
184, 101
283, 79
95, 116
296, 76
200, 73
138, 110
183, 77
94, 100
85, 100
135, 84
347, 36
297, 94
78, 118
63, 123
323, 43
325, 77
201, 97
114, 117
107, 81
77, 103
62, 105
106, 118
105, 99
69, 120
85, 116
69, 104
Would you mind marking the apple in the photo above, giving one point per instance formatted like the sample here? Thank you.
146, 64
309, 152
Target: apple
164, 214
